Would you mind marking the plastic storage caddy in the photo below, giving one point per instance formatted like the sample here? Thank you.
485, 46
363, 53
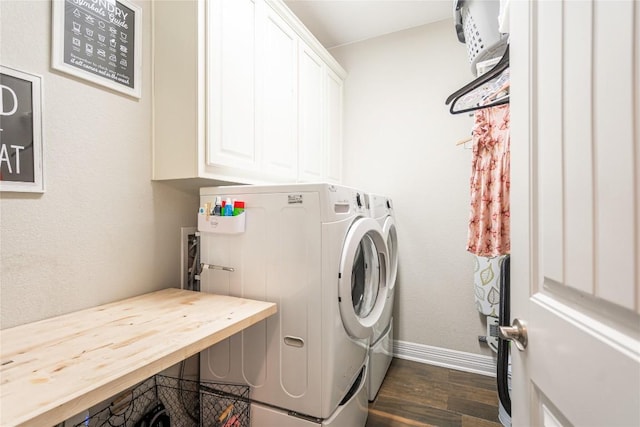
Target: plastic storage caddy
221, 224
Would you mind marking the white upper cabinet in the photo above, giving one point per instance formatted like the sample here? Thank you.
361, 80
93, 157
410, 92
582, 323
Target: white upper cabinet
311, 129
231, 76
243, 93
319, 119
333, 125
178, 99
277, 84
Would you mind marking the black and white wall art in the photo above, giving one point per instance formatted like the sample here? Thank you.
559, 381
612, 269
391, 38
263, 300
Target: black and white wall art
99, 40
21, 154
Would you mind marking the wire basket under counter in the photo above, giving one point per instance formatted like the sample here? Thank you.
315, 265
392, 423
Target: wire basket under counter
162, 401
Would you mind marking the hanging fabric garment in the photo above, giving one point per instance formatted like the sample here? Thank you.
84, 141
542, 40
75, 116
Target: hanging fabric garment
489, 225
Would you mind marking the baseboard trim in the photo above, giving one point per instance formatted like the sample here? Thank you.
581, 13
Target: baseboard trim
452, 359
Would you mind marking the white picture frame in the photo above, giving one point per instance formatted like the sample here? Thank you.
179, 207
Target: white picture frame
92, 40
21, 131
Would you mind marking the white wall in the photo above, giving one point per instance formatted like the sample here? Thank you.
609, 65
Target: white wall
102, 231
400, 141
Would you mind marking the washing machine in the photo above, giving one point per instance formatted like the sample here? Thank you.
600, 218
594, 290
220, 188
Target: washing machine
314, 251
381, 342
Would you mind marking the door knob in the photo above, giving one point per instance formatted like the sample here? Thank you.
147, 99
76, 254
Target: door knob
517, 333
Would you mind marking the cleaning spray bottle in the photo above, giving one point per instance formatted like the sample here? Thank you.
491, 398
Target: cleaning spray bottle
217, 208
228, 208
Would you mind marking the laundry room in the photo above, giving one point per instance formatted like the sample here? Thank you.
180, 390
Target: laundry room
357, 209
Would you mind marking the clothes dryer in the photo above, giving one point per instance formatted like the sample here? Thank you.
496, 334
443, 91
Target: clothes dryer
313, 250
381, 343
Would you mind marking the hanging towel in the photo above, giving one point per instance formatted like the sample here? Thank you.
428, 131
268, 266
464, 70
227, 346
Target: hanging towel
489, 225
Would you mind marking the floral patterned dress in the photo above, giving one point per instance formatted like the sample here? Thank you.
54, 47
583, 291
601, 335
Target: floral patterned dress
489, 228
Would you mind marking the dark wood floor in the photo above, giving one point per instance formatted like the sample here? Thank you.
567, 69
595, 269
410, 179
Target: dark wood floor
416, 394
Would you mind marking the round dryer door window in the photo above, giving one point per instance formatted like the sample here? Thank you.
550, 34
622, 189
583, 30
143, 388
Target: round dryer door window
363, 277
391, 234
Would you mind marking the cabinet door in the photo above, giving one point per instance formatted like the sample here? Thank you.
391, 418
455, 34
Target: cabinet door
333, 157
311, 135
231, 52
278, 94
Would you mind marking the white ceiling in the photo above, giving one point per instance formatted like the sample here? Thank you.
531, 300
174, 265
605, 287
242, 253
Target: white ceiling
338, 22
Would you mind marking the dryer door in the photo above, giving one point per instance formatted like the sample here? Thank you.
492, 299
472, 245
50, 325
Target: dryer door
390, 234
363, 278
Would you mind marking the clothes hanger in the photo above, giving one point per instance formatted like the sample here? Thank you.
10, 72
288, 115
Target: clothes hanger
464, 140
486, 91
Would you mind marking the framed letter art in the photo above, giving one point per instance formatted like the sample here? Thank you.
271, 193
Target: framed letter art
21, 163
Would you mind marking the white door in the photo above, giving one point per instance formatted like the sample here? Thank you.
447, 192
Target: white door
363, 276
575, 266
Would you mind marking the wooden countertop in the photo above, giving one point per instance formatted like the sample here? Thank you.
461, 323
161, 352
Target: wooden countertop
55, 368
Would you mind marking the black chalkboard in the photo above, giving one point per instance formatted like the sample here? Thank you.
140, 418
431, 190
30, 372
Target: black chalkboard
98, 40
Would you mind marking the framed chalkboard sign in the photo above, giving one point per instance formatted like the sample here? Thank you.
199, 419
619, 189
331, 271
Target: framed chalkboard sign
99, 40
21, 164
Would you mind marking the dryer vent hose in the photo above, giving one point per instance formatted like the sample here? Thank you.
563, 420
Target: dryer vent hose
503, 345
